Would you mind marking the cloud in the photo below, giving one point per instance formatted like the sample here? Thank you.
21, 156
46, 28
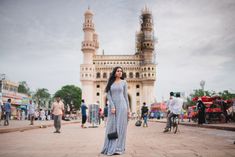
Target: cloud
41, 42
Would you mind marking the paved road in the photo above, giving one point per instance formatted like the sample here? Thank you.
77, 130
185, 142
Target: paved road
141, 142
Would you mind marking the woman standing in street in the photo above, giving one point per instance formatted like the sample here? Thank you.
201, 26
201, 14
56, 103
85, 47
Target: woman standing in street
118, 113
201, 111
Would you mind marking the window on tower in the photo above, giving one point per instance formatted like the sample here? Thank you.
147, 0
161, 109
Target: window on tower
124, 75
104, 75
137, 75
98, 75
97, 94
137, 94
131, 74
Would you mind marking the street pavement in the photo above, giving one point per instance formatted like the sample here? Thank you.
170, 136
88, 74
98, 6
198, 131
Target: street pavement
22, 125
74, 141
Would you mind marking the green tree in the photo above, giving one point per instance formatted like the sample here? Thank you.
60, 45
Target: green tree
226, 95
71, 96
42, 96
23, 88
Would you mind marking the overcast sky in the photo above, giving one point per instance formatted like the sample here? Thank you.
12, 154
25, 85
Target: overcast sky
40, 41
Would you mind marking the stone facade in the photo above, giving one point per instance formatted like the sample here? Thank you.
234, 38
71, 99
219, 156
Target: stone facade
139, 68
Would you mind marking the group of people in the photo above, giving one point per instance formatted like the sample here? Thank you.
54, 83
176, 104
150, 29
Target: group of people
31, 113
5, 110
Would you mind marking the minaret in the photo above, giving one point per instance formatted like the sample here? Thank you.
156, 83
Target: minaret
89, 49
145, 48
147, 44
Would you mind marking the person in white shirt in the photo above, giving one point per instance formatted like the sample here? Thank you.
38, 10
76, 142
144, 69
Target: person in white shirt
57, 111
42, 115
169, 102
176, 107
31, 111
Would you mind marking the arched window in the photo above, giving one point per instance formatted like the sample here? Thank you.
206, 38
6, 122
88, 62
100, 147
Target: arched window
137, 94
137, 75
131, 74
137, 86
97, 94
97, 86
104, 75
124, 75
98, 75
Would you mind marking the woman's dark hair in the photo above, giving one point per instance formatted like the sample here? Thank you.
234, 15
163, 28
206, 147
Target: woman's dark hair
112, 78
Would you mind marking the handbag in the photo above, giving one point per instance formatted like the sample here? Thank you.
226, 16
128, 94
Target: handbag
138, 123
113, 135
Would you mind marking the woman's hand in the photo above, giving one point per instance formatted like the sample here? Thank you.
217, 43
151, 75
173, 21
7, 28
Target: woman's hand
128, 115
113, 110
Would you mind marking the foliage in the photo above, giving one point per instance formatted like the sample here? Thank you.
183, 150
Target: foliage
226, 95
42, 96
71, 96
23, 88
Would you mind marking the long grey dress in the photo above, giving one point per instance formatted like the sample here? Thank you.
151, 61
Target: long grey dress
118, 99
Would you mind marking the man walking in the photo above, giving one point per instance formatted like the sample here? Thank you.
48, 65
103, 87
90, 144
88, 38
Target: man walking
83, 109
144, 113
7, 110
31, 112
57, 111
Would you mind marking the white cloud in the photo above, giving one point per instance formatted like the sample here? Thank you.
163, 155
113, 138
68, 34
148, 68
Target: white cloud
41, 42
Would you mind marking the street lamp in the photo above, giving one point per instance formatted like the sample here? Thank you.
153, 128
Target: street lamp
202, 84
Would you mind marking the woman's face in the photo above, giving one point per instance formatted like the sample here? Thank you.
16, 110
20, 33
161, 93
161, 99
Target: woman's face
118, 73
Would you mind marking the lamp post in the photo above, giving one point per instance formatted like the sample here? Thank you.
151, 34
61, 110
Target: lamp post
202, 84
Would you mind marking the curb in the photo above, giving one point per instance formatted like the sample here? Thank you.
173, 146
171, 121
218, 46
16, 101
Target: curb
204, 126
22, 129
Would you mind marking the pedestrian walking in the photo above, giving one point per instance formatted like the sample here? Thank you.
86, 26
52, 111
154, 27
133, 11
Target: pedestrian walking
189, 113
118, 114
144, 113
182, 115
7, 111
42, 115
84, 115
201, 111
31, 111
57, 111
